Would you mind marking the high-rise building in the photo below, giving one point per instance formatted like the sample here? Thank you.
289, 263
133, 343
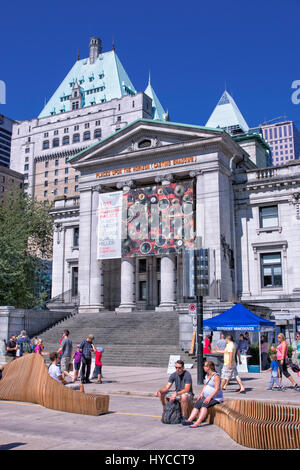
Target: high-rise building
284, 141
6, 125
94, 100
10, 182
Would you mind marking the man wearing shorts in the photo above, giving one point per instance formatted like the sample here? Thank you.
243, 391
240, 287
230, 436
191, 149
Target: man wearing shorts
183, 388
229, 369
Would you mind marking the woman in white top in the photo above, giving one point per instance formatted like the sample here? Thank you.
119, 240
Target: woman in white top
211, 395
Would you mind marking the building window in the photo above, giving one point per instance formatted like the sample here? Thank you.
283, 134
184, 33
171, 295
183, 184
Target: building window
76, 236
66, 170
56, 181
97, 123
76, 138
46, 174
142, 265
46, 134
55, 192
87, 125
87, 135
76, 188
46, 183
75, 105
97, 134
76, 178
45, 144
76, 128
26, 167
56, 172
27, 150
271, 271
66, 140
46, 164
268, 217
45, 193
55, 143
119, 118
66, 190
66, 180
144, 143
56, 162
66, 130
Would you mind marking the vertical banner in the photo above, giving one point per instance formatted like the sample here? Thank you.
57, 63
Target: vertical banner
109, 225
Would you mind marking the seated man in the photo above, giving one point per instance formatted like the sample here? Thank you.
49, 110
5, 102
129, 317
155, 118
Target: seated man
183, 388
55, 372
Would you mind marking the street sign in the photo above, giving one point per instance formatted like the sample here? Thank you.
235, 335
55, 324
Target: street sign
192, 308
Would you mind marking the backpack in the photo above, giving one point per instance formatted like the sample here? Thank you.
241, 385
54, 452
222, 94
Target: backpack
171, 413
26, 347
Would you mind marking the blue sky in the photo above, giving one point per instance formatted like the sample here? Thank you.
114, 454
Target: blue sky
192, 48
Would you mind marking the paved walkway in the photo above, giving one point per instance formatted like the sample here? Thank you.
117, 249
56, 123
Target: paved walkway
143, 381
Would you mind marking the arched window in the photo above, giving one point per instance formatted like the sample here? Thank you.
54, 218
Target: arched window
87, 135
66, 140
76, 138
45, 144
55, 143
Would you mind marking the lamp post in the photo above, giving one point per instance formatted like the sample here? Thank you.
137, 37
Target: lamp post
201, 289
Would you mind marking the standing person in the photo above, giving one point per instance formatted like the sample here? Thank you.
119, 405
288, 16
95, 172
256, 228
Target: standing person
229, 368
23, 342
207, 345
183, 388
296, 350
77, 362
282, 356
86, 347
11, 349
66, 351
221, 343
274, 369
98, 364
247, 337
39, 347
264, 348
242, 347
211, 395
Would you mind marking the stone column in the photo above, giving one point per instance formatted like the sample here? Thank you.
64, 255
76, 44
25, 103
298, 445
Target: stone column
90, 281
167, 284
127, 285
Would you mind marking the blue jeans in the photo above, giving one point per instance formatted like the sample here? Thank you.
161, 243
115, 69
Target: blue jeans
276, 381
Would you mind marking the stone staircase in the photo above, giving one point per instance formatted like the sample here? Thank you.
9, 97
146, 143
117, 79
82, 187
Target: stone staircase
145, 338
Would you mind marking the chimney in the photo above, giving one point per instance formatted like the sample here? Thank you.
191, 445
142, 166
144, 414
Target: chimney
95, 49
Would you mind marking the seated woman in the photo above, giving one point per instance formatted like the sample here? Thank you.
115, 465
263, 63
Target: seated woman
55, 372
211, 395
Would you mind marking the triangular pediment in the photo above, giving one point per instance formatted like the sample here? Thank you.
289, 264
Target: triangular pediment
143, 136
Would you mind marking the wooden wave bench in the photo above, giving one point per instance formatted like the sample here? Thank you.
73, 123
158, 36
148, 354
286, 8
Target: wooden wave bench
257, 424
26, 379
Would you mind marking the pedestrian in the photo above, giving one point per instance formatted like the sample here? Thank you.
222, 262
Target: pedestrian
183, 388
274, 369
207, 345
98, 364
221, 343
86, 347
296, 350
33, 343
242, 347
282, 359
264, 348
23, 343
229, 368
11, 349
247, 337
77, 362
66, 351
39, 348
211, 395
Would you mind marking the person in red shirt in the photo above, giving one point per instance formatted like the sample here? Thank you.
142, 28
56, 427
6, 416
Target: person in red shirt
98, 364
207, 345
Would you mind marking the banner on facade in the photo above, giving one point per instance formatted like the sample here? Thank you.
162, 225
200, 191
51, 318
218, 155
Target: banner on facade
109, 225
158, 219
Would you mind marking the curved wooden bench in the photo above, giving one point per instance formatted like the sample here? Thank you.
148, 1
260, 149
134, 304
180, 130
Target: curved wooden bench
258, 424
26, 379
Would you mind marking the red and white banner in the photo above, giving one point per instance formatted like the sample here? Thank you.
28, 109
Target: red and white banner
109, 225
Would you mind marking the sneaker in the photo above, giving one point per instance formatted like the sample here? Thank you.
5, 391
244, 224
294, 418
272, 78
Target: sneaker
269, 388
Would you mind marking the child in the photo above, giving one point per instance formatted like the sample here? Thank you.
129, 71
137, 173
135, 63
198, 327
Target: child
98, 364
274, 367
39, 348
77, 362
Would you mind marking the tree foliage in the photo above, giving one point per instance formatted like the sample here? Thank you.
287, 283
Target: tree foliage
25, 245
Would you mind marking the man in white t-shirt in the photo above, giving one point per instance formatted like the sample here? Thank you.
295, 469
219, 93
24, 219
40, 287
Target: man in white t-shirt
56, 374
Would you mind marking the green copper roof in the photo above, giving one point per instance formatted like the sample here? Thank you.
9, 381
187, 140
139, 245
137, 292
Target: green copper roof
226, 114
158, 112
102, 81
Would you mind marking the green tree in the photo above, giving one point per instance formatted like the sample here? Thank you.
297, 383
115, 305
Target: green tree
25, 245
